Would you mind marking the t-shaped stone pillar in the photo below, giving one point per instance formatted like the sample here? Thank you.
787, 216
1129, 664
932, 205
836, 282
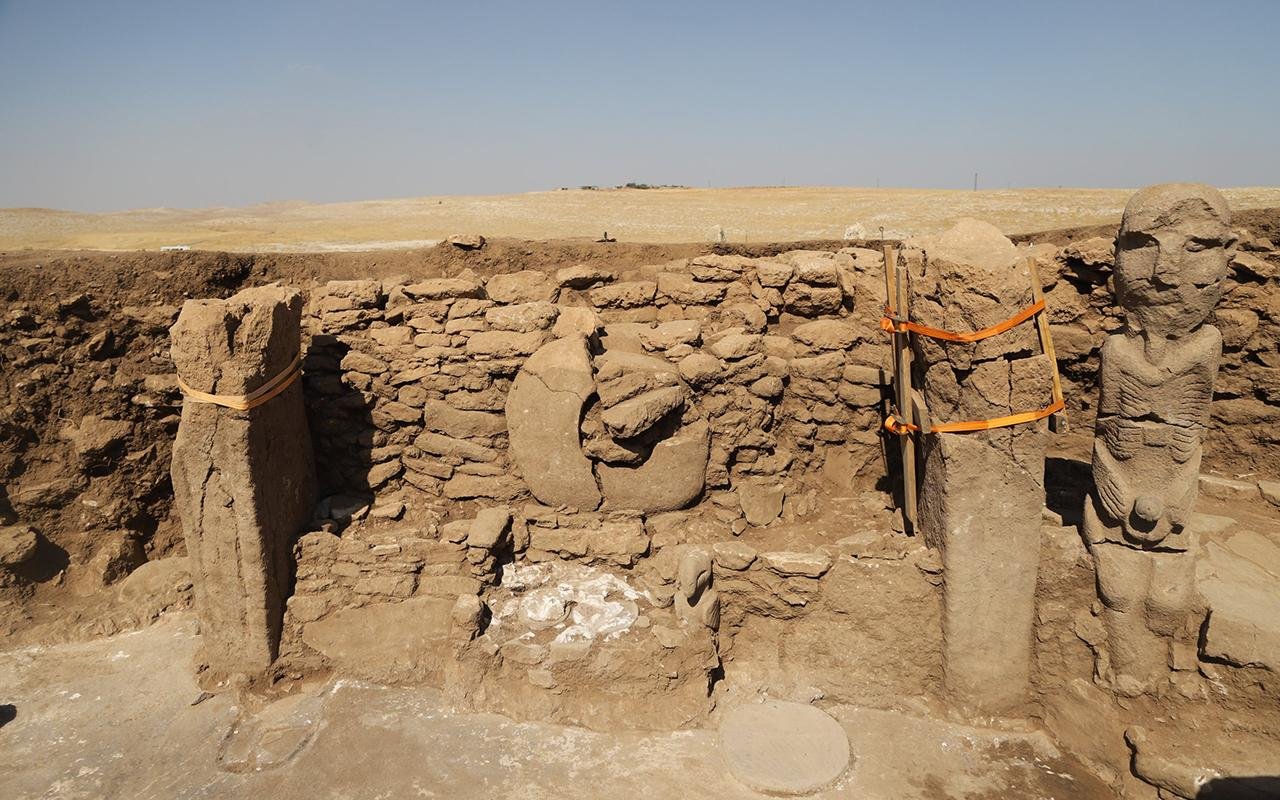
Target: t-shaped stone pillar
982, 492
243, 481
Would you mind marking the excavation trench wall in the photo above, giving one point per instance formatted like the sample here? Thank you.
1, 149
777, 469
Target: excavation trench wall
406, 384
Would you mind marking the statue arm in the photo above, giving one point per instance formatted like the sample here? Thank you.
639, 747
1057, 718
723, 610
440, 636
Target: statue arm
1109, 484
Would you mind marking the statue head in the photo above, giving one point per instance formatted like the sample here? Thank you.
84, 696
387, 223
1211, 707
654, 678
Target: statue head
1171, 256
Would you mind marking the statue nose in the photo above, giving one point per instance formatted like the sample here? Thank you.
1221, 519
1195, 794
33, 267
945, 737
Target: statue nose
1169, 266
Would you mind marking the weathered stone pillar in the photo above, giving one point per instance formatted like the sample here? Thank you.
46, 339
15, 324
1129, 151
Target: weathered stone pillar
982, 492
243, 481
1155, 387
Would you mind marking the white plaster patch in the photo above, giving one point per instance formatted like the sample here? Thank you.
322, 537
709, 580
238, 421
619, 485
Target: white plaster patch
584, 603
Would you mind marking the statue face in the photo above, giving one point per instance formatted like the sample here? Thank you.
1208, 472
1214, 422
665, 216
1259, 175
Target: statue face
1171, 256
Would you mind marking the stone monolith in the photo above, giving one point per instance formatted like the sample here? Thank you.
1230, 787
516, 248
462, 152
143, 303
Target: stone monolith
1155, 386
982, 492
244, 481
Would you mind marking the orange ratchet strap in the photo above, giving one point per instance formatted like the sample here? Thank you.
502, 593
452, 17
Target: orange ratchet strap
894, 426
889, 324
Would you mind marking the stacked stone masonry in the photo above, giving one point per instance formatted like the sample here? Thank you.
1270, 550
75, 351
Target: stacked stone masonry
747, 368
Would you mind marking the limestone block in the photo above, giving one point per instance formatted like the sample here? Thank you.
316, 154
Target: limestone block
1221, 488
505, 344
466, 241
526, 286
683, 289
827, 334
805, 300
669, 334
761, 503
612, 391
576, 321
349, 295
736, 346
772, 274
700, 369
385, 641
17, 545
443, 418
443, 288
719, 268
463, 486
488, 528
437, 444
814, 268
635, 416
582, 276
808, 565
624, 295
733, 555
523, 317
1237, 579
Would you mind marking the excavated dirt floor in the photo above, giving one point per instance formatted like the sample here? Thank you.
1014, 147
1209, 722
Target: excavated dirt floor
114, 718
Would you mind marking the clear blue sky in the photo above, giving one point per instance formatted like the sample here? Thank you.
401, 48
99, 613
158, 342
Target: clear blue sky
128, 103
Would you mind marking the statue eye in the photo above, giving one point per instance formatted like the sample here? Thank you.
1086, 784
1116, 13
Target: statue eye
1136, 240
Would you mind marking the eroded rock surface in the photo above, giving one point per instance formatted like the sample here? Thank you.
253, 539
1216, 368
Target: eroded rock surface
244, 481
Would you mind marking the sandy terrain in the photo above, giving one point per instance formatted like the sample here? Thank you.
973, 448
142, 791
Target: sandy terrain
652, 215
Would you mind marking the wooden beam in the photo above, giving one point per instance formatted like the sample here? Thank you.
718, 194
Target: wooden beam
895, 282
1057, 422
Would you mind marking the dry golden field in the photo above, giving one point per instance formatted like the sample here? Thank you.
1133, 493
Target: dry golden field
637, 215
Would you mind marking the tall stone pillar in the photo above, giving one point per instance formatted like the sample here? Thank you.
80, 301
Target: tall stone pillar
1155, 387
243, 481
982, 492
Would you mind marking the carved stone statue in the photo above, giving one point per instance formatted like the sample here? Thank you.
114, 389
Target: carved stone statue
1156, 384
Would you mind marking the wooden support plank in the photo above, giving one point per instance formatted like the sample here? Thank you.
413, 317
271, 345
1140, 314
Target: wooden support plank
1057, 422
895, 283
904, 398
890, 298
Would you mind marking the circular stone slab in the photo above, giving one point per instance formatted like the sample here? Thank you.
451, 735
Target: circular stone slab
783, 748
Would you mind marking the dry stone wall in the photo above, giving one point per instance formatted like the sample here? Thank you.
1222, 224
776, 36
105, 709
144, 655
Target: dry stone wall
590, 389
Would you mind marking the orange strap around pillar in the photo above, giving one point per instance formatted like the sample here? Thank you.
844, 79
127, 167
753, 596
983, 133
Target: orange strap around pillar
893, 426
243, 402
890, 325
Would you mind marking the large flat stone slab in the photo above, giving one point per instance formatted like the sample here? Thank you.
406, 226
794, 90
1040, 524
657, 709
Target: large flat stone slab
783, 748
1238, 578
